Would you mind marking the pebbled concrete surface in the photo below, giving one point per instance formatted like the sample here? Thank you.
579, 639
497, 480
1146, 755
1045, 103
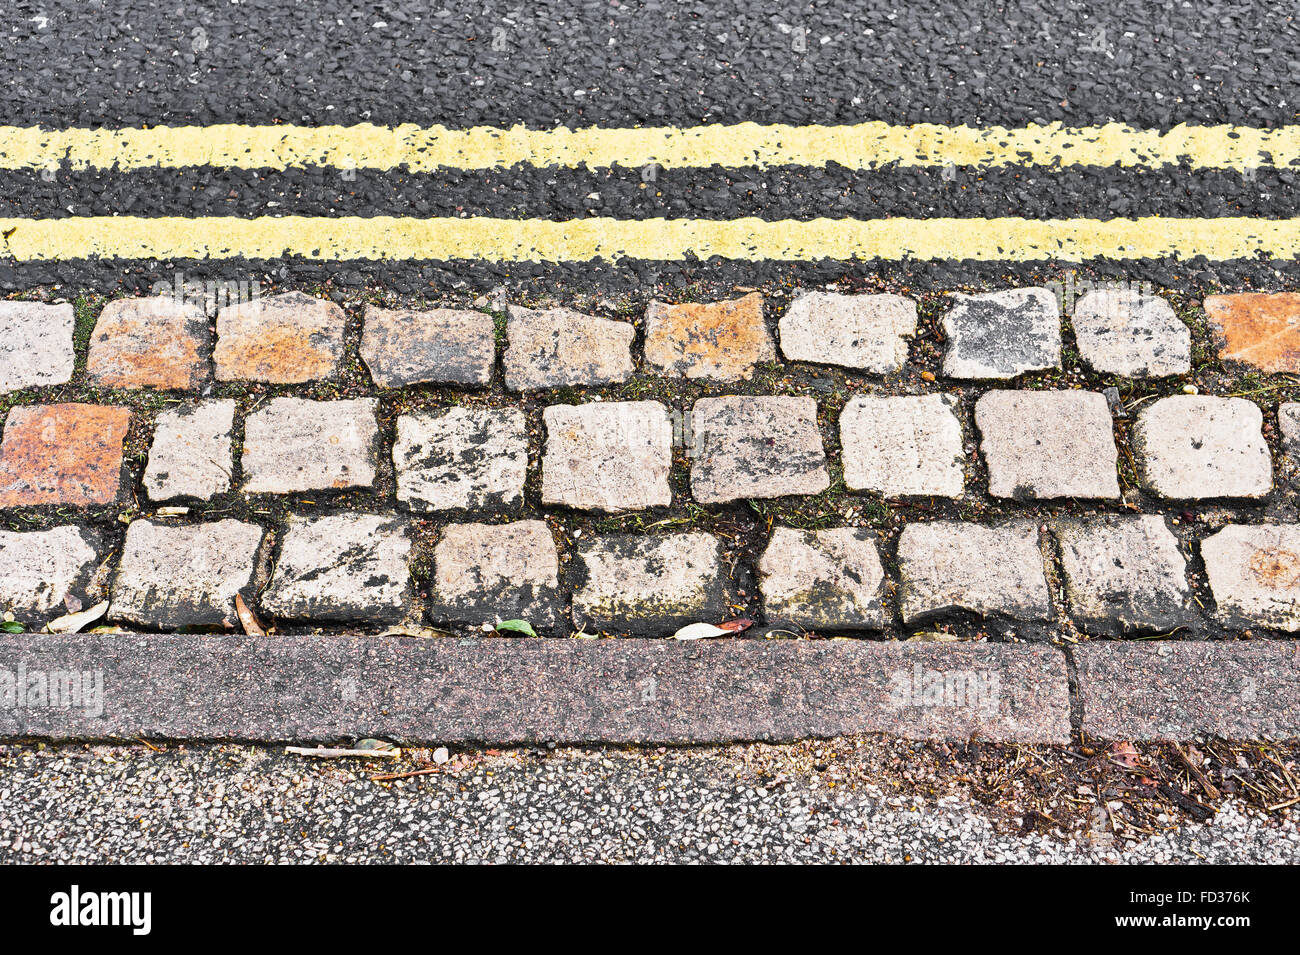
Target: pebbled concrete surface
238, 805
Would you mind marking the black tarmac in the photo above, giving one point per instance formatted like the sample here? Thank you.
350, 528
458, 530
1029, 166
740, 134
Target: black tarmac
1153, 65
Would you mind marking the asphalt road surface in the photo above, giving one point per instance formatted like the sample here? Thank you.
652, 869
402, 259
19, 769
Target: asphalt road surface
1146, 67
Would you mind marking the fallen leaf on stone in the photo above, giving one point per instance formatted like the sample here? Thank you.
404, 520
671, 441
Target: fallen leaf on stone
735, 626
76, 622
252, 626
516, 626
698, 631
410, 631
11, 626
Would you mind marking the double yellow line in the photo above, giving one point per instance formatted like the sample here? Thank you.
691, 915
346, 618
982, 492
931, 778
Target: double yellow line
860, 146
856, 146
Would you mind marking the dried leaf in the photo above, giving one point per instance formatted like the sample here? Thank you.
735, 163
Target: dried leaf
698, 631
76, 622
252, 626
404, 630
932, 636
735, 626
1125, 754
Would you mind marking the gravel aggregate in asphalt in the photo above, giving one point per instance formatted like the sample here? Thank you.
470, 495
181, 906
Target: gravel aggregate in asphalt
235, 804
465, 62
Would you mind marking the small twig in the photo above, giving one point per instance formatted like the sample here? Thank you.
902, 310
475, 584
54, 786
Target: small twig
385, 777
1282, 805
327, 753
1196, 772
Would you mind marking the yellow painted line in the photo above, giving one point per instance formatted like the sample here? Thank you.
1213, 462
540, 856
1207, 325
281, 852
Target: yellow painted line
540, 240
858, 146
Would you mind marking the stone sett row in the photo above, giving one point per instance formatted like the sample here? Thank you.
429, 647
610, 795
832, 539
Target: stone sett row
617, 456
292, 338
1121, 574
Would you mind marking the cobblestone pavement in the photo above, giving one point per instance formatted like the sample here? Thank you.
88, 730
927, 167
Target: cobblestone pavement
189, 452
234, 805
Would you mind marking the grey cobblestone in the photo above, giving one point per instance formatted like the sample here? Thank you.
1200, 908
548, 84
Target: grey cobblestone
1047, 444
461, 458
868, 332
294, 444
904, 445
608, 456
1288, 421
343, 568
823, 580
45, 574
946, 566
1198, 446
36, 347
558, 347
176, 576
649, 585
1124, 575
1126, 332
191, 452
1002, 334
444, 346
1254, 573
756, 447
483, 573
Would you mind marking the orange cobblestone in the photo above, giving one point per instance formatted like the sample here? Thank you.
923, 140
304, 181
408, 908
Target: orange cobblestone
62, 454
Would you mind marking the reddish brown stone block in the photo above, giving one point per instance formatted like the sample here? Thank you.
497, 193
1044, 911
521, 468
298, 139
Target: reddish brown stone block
283, 339
1261, 329
150, 343
62, 454
722, 340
